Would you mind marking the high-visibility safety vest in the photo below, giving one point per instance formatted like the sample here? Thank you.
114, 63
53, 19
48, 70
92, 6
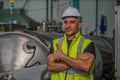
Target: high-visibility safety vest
77, 46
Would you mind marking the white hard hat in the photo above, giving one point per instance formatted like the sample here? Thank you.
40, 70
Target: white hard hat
71, 11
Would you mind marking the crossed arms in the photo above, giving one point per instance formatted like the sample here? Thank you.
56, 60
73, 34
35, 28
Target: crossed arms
83, 61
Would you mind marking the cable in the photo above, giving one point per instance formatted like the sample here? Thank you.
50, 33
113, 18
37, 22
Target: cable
33, 47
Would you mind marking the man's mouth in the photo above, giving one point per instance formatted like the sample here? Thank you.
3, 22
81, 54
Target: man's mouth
68, 29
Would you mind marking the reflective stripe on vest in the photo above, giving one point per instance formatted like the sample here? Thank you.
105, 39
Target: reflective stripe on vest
74, 71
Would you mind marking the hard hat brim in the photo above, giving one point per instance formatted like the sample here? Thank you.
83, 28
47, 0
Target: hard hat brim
70, 16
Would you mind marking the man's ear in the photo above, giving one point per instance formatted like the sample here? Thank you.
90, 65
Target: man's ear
80, 25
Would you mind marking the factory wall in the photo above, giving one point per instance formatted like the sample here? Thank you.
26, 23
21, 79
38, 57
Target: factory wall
36, 9
107, 8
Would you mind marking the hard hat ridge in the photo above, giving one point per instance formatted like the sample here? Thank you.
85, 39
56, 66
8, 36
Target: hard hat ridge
71, 11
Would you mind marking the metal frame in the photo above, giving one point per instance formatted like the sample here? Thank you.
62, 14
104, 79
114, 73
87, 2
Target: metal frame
117, 42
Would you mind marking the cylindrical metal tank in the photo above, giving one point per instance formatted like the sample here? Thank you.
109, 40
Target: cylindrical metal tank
20, 50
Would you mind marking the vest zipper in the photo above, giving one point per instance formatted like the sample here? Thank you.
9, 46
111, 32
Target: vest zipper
65, 78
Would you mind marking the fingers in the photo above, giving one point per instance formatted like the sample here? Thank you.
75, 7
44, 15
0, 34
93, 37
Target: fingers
58, 50
58, 47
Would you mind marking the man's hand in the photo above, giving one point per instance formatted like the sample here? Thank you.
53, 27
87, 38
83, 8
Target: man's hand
58, 53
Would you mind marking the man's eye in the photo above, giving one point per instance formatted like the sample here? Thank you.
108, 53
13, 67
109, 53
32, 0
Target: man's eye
72, 22
65, 22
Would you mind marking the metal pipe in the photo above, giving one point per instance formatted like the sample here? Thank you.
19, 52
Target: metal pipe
25, 3
57, 10
70, 2
47, 10
96, 29
51, 10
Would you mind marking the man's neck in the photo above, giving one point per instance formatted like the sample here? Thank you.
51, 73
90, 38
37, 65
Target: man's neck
71, 37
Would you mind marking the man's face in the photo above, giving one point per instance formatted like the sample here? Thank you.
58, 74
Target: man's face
71, 25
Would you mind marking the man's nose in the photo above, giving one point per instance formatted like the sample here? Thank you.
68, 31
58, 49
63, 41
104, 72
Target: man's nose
68, 24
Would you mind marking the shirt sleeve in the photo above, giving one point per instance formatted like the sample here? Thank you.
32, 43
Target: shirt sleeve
90, 49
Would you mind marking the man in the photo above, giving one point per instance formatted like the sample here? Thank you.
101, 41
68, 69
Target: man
72, 56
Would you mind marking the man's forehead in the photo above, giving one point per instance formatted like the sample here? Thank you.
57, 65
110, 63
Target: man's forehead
70, 18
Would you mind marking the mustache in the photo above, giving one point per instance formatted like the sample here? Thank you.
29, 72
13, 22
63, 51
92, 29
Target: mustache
68, 28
